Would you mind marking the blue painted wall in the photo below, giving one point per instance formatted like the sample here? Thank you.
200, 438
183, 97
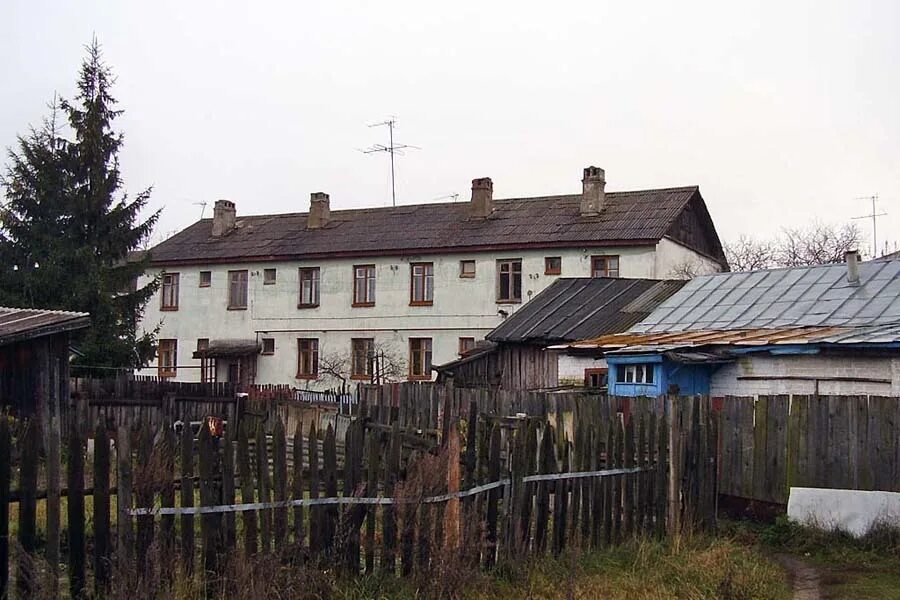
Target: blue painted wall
690, 378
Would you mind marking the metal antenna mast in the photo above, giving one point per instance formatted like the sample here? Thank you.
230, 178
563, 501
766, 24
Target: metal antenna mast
874, 216
391, 149
202, 206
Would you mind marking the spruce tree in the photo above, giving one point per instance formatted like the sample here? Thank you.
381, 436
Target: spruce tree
70, 231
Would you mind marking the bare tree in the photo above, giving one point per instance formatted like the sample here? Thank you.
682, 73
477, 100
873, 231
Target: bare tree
817, 244
384, 364
749, 254
688, 269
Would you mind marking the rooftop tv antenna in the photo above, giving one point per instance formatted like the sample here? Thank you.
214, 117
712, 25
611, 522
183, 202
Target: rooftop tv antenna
446, 196
391, 149
874, 216
202, 206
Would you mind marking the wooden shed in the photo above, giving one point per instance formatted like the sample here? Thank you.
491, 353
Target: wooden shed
34, 359
515, 356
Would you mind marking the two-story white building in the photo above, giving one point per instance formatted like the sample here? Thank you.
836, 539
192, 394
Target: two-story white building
308, 299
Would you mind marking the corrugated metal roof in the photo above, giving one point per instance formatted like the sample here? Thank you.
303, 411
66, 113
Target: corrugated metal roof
637, 217
17, 324
779, 298
577, 308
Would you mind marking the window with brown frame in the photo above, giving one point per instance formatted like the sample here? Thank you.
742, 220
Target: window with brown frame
364, 285
466, 344
467, 269
420, 358
309, 287
268, 346
237, 290
167, 358
170, 291
361, 358
270, 276
421, 284
207, 365
307, 358
595, 378
552, 265
509, 280
605, 266
205, 278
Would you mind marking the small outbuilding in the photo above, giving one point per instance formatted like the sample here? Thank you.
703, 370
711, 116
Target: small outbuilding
34, 359
573, 308
829, 329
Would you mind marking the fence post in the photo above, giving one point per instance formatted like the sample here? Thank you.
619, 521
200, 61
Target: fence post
262, 480
373, 465
5, 477
228, 489
28, 474
187, 497
329, 464
144, 492
279, 463
315, 512
101, 509
53, 504
493, 497
209, 496
547, 460
389, 527
248, 518
167, 499
297, 489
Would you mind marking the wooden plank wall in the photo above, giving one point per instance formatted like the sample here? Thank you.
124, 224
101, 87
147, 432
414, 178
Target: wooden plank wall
772, 443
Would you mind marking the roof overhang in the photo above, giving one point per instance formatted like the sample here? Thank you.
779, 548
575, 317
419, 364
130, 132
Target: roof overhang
20, 324
233, 348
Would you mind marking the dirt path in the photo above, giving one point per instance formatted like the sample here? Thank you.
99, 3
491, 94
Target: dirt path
805, 579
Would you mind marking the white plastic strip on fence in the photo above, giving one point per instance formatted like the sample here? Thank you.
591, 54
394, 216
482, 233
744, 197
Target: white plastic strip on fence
230, 508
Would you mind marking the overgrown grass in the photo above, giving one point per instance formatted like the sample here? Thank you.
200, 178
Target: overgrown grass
865, 568
696, 568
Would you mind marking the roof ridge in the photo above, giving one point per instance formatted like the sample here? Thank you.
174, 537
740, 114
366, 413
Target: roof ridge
463, 203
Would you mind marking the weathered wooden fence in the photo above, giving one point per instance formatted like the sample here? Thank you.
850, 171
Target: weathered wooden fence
772, 443
483, 485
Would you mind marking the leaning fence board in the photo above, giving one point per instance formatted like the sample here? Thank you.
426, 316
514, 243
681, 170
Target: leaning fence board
245, 472
5, 480
28, 474
187, 499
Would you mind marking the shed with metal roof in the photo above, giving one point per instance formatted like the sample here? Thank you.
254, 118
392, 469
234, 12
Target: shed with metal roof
821, 329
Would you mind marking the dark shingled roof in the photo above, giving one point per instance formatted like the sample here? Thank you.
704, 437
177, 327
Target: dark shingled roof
17, 324
583, 307
629, 218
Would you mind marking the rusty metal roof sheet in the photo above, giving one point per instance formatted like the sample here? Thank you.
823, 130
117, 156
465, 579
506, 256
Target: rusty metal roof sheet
635, 217
574, 308
17, 324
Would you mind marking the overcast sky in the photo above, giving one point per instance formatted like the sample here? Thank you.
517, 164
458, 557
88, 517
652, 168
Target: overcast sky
779, 111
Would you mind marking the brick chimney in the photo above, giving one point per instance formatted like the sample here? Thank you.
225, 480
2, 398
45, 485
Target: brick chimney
482, 198
319, 210
224, 215
852, 259
593, 191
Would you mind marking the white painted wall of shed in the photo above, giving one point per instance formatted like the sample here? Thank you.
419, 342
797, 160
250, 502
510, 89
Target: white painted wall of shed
462, 307
725, 382
571, 368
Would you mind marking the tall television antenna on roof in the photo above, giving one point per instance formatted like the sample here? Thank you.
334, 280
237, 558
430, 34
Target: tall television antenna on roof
874, 216
391, 149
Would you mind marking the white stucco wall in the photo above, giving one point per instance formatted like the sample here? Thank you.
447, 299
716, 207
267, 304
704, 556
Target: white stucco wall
671, 258
571, 368
725, 380
462, 307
